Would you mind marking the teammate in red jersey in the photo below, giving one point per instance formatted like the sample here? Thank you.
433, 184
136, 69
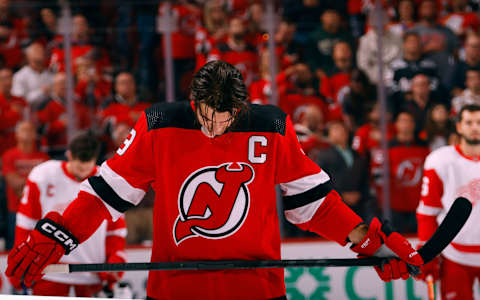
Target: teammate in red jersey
213, 164
51, 186
450, 172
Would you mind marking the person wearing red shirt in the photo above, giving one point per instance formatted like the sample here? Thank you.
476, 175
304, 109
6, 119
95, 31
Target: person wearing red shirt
12, 110
237, 51
17, 162
53, 118
215, 164
185, 19
122, 108
407, 154
82, 44
213, 31
335, 86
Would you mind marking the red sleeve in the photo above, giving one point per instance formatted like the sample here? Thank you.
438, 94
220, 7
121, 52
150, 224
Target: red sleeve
115, 241
430, 204
29, 211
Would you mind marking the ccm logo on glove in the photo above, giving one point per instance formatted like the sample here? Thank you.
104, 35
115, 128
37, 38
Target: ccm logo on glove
57, 233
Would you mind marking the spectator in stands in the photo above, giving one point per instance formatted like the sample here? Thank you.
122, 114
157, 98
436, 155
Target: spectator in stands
48, 21
350, 169
471, 95
438, 126
186, 18
367, 53
322, 41
83, 43
124, 106
359, 99
10, 45
411, 64
256, 24
460, 20
288, 50
214, 30
471, 60
309, 123
33, 81
17, 164
405, 17
237, 51
53, 118
439, 42
418, 100
91, 87
334, 86
302, 89
406, 157
12, 110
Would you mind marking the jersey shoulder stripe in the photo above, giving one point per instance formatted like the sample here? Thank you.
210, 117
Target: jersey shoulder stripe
262, 118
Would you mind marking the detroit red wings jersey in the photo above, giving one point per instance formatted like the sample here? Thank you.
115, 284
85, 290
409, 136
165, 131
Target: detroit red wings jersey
449, 174
215, 197
50, 187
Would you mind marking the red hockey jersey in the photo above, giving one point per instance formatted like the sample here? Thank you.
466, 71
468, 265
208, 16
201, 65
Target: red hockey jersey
216, 199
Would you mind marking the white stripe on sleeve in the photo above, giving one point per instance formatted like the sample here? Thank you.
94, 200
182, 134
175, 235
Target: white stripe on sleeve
304, 184
304, 213
121, 186
122, 232
25, 222
428, 210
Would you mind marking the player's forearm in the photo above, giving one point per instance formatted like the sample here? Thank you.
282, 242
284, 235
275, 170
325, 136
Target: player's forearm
84, 215
427, 225
334, 220
358, 233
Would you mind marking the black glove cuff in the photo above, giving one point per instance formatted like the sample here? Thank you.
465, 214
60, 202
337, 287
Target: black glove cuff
57, 233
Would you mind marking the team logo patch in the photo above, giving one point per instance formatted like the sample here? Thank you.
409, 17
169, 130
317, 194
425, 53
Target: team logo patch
213, 202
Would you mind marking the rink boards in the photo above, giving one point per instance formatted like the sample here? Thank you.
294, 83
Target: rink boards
358, 283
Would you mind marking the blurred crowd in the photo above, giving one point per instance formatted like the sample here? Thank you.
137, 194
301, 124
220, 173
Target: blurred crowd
327, 63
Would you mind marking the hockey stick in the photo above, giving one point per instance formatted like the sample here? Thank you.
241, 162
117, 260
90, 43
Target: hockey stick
446, 232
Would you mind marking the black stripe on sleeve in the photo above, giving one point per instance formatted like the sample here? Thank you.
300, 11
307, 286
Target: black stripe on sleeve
107, 194
307, 197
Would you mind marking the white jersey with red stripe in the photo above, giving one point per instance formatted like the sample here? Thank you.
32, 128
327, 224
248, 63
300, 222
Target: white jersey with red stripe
50, 187
448, 174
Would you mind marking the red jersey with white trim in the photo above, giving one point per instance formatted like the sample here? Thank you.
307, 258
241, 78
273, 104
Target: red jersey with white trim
449, 174
216, 199
50, 187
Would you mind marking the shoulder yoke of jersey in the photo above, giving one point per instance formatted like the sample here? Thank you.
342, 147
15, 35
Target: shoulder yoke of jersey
260, 118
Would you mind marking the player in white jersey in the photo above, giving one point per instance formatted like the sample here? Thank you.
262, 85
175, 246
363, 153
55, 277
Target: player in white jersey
450, 172
51, 186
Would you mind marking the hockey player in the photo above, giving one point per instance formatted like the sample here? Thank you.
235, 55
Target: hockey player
450, 172
213, 164
51, 186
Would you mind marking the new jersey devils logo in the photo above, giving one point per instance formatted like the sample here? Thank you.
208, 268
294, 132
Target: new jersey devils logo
213, 202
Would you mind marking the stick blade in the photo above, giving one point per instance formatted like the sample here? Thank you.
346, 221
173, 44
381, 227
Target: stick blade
456, 217
56, 268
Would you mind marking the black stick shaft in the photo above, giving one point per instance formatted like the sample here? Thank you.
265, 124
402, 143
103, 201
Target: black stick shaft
228, 264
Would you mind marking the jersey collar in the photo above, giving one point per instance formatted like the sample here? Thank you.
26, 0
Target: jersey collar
472, 158
71, 176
